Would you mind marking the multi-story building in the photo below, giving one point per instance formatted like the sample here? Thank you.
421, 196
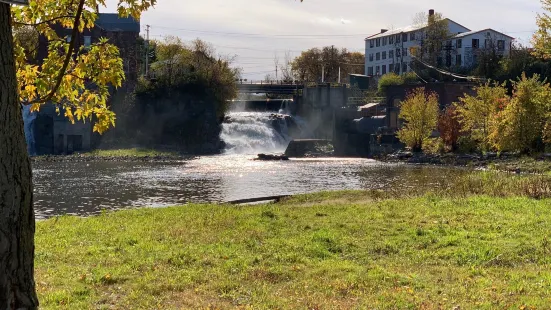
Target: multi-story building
389, 50
49, 132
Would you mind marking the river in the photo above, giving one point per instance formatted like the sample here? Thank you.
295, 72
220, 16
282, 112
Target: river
88, 188
82, 189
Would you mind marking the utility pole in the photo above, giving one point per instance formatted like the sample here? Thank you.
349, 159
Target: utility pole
147, 52
323, 74
339, 74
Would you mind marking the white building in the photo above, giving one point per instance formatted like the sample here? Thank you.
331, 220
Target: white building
388, 51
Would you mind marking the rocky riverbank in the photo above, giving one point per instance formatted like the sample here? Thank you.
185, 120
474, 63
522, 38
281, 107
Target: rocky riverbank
122, 155
509, 162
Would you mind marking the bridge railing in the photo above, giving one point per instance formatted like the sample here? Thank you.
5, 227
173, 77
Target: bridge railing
286, 83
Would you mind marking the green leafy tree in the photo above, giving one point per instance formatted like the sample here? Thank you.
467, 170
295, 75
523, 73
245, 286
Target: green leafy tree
520, 125
420, 115
476, 113
542, 38
74, 79
179, 65
314, 63
392, 78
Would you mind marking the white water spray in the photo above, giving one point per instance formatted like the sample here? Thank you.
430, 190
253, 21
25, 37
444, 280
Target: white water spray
254, 132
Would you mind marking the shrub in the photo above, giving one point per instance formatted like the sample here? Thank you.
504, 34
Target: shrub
449, 127
520, 124
433, 146
465, 144
392, 78
388, 80
420, 114
409, 78
476, 113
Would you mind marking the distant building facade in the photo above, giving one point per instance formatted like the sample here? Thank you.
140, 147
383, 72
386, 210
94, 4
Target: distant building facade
389, 50
49, 132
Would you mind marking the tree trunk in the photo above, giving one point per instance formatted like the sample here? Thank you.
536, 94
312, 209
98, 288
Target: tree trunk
17, 226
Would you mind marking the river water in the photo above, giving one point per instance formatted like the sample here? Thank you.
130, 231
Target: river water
77, 188
88, 188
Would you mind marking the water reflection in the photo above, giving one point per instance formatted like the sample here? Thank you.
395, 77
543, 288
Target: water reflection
89, 188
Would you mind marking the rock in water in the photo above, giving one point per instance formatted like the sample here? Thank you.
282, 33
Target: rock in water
271, 157
310, 148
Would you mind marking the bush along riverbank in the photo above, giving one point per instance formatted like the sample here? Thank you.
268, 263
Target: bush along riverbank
508, 162
492, 120
482, 243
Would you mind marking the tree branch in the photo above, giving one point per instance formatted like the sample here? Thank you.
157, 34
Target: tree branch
44, 22
69, 55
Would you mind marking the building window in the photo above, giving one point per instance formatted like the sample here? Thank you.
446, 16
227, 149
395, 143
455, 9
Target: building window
397, 52
487, 43
391, 54
378, 42
500, 45
378, 56
87, 41
370, 71
384, 55
458, 60
397, 38
404, 52
404, 37
372, 43
391, 68
412, 36
385, 41
384, 69
476, 43
404, 67
371, 57
391, 40
459, 43
377, 70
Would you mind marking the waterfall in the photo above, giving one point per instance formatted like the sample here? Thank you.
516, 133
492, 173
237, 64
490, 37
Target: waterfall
28, 121
255, 132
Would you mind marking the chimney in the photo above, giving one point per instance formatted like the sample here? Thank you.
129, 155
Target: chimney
431, 12
384, 30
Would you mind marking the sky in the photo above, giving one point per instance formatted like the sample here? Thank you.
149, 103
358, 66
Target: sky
257, 31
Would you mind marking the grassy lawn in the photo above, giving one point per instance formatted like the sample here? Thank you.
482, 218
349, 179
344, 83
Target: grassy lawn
341, 250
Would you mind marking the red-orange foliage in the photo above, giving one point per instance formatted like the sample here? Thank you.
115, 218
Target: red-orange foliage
449, 127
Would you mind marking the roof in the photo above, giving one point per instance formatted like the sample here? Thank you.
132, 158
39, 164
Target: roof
465, 34
409, 28
397, 31
113, 22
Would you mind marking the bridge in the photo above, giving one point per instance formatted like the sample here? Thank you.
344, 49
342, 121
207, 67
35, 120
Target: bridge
270, 87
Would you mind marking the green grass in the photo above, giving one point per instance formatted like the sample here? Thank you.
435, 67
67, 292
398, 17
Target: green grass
134, 152
340, 250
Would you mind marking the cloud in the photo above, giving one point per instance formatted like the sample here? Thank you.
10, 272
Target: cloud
331, 21
343, 23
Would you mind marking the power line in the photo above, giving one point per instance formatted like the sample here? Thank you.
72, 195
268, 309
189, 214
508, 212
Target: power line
287, 36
